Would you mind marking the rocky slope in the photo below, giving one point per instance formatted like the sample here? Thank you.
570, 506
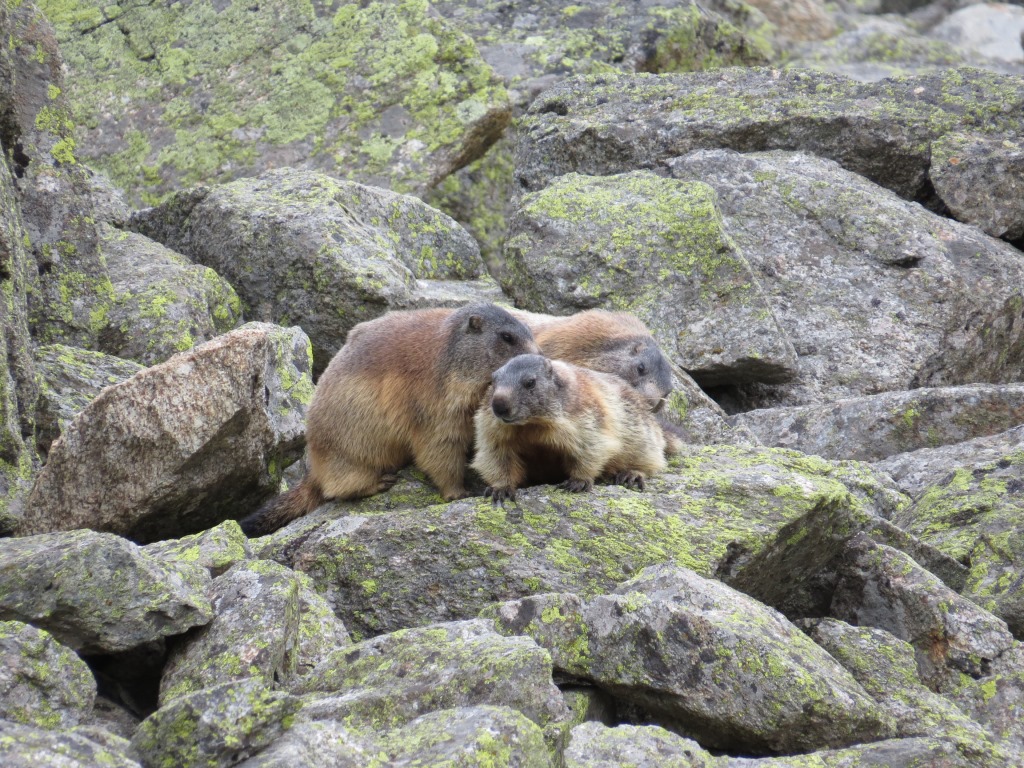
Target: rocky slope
829, 574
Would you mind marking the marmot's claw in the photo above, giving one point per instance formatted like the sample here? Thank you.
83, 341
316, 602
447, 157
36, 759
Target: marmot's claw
576, 486
500, 495
630, 478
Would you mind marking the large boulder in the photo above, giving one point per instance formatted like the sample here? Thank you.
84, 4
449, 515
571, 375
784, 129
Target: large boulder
974, 515
42, 683
875, 293
656, 247
163, 304
96, 592
386, 93
182, 445
381, 562
303, 248
877, 426
612, 123
593, 745
704, 660
23, 746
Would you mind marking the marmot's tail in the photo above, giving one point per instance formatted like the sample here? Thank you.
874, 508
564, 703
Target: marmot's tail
675, 437
283, 508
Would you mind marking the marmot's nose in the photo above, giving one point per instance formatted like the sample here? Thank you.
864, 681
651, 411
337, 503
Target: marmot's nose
500, 407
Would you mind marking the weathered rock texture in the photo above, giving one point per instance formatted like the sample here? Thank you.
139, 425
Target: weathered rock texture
303, 248
386, 93
182, 445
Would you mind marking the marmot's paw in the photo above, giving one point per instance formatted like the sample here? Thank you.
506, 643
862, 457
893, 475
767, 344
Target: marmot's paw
500, 495
576, 486
631, 478
386, 481
461, 493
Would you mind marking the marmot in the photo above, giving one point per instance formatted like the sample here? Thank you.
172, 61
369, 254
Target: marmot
403, 388
547, 420
612, 342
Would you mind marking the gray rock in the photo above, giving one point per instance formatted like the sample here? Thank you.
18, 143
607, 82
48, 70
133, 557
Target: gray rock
23, 746
974, 515
915, 471
707, 661
216, 549
995, 702
698, 419
991, 30
894, 753
883, 587
915, 296
314, 744
593, 745
42, 683
182, 445
877, 426
605, 124
382, 562
887, 670
163, 304
217, 726
109, 203
96, 592
303, 248
481, 735
382, 93
71, 378
798, 20
655, 247
253, 634
390, 680
981, 180
798, 568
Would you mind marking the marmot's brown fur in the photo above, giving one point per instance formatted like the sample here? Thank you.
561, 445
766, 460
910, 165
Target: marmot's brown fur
403, 388
547, 420
612, 342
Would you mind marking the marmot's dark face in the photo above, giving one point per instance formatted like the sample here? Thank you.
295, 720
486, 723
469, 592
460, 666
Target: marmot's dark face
488, 338
643, 365
525, 388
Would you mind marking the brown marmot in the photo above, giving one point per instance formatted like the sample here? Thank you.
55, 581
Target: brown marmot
612, 342
547, 420
403, 388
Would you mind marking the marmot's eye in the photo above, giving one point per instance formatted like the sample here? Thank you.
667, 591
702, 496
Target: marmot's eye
508, 338
529, 383
641, 369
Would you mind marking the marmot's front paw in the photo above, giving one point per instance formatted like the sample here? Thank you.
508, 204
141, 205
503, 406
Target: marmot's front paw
576, 485
631, 478
500, 495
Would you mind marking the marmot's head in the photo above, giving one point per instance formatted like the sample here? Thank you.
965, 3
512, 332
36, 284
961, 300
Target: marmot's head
483, 338
647, 371
526, 387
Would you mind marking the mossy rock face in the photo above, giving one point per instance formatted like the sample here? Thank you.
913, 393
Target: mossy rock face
612, 123
655, 247
303, 248
215, 549
96, 592
386, 682
183, 445
70, 293
706, 660
955, 640
593, 745
975, 515
215, 726
42, 683
71, 379
386, 93
934, 752
886, 668
980, 179
23, 746
317, 743
875, 427
877, 294
467, 736
163, 303
711, 504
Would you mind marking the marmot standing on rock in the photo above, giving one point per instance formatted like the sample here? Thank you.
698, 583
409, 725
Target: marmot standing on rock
612, 342
548, 420
403, 388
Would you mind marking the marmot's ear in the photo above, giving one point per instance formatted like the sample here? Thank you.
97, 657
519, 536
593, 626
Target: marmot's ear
547, 367
476, 324
638, 347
